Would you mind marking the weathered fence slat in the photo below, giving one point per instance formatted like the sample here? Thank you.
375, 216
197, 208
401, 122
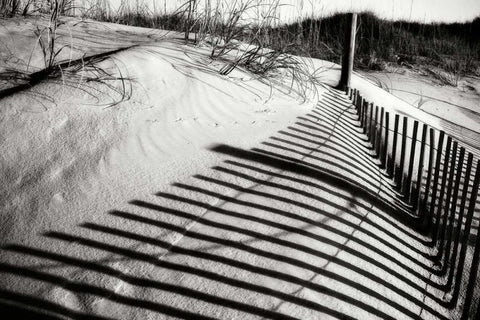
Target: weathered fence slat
407, 187
370, 123
401, 167
374, 131
424, 200
355, 102
379, 139
446, 161
358, 106
446, 215
365, 120
360, 103
435, 179
418, 191
384, 157
362, 107
391, 165
453, 208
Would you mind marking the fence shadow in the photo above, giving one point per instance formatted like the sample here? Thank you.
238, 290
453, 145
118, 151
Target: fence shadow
303, 226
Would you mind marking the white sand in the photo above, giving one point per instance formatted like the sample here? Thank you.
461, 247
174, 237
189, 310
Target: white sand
127, 211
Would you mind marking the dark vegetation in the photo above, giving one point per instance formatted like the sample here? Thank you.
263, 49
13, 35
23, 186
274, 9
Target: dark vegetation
454, 47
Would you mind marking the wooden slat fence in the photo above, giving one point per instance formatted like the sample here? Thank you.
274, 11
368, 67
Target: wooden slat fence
437, 180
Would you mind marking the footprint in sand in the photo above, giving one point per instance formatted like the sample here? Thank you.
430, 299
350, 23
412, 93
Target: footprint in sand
57, 200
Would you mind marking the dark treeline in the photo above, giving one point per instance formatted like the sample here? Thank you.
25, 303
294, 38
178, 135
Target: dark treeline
451, 46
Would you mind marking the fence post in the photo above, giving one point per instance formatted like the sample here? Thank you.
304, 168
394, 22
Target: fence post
349, 53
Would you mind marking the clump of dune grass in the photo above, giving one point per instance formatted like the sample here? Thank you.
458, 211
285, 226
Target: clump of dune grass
85, 74
47, 38
9, 8
235, 32
80, 73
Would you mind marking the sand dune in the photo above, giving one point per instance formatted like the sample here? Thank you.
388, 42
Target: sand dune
200, 196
